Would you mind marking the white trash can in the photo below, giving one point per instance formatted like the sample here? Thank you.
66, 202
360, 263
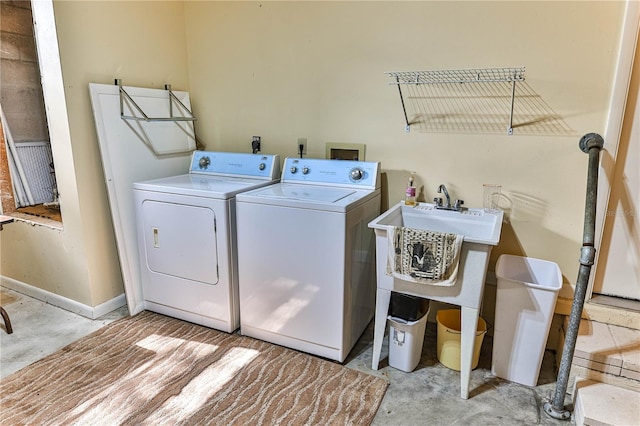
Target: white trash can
405, 342
525, 301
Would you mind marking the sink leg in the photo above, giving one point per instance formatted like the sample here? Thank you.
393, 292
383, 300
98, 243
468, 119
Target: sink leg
467, 339
383, 298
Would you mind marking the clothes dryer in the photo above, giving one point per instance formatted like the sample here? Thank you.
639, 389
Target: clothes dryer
186, 229
306, 257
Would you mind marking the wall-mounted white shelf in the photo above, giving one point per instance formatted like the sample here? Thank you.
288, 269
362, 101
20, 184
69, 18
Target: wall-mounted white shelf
462, 92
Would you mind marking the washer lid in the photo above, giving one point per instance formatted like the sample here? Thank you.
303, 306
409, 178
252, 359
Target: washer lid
304, 196
305, 193
208, 186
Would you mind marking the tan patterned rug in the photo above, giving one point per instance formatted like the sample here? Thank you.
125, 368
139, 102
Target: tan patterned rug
150, 369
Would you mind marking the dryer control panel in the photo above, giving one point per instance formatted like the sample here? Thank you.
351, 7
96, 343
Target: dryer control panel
235, 164
360, 174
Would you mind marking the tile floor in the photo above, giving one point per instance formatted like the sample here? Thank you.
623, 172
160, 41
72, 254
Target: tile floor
427, 396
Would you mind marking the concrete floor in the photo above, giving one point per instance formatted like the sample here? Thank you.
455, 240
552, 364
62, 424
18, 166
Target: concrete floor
430, 395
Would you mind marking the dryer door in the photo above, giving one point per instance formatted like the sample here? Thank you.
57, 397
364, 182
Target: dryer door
180, 240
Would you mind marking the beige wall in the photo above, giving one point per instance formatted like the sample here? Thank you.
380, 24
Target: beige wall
284, 70
141, 43
144, 44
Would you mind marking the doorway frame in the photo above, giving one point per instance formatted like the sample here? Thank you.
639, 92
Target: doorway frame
48, 52
615, 121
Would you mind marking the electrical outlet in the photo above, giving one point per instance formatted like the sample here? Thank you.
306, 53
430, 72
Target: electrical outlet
301, 142
255, 144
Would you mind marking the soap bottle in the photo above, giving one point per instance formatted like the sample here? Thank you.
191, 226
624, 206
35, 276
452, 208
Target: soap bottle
410, 194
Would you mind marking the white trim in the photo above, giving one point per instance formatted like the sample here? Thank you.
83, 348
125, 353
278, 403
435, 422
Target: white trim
617, 105
53, 92
63, 302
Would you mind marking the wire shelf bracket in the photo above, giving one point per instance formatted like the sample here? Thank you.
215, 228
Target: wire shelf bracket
124, 97
486, 76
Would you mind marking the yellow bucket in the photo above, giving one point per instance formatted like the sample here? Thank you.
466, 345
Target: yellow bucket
448, 342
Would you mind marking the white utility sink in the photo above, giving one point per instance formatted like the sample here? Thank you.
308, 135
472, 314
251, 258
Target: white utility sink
481, 231
476, 225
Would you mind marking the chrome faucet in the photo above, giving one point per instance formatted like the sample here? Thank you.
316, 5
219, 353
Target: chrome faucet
442, 189
457, 205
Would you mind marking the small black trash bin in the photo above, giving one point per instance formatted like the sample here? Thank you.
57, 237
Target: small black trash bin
407, 307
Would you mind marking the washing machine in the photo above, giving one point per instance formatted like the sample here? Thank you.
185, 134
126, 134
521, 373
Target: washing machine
186, 229
306, 257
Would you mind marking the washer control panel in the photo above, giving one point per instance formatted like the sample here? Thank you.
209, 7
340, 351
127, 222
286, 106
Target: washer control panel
235, 164
363, 174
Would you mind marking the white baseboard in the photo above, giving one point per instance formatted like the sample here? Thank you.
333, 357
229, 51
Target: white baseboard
62, 302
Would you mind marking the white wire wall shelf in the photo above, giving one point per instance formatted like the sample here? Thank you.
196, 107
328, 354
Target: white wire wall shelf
485, 100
